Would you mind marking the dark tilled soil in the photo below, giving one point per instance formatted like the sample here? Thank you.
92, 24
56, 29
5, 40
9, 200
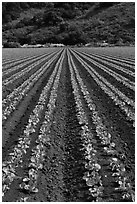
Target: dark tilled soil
60, 180
14, 126
115, 121
10, 87
128, 92
19, 63
18, 70
116, 62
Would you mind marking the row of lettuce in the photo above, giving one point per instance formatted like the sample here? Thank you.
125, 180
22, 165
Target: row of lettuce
91, 141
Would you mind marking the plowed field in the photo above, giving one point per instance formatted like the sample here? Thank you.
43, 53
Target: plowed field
68, 117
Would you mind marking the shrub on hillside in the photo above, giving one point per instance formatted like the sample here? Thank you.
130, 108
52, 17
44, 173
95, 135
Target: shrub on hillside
11, 45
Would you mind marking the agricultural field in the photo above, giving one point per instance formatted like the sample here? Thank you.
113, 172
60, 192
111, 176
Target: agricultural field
68, 117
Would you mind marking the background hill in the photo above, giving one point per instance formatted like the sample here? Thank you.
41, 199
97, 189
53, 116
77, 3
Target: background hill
68, 23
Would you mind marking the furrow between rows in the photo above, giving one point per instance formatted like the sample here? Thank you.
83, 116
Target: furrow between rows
92, 167
120, 61
30, 56
126, 104
123, 84
124, 62
12, 100
68, 129
16, 157
22, 65
15, 76
108, 70
120, 184
29, 182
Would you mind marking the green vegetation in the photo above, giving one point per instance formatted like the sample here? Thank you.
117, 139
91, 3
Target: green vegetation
68, 23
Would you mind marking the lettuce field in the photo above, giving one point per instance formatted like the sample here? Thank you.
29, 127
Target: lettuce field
68, 121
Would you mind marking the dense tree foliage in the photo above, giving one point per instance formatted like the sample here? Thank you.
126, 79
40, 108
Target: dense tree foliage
68, 23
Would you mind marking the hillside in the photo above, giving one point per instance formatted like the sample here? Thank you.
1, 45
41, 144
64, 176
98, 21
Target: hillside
68, 23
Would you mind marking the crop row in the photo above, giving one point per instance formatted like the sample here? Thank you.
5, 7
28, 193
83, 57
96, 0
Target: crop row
13, 99
92, 167
126, 64
117, 96
22, 86
16, 157
9, 63
38, 152
117, 59
23, 72
21, 61
125, 81
66, 144
111, 64
22, 54
23, 64
120, 176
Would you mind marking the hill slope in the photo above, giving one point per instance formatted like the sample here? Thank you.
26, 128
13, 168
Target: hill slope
68, 23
